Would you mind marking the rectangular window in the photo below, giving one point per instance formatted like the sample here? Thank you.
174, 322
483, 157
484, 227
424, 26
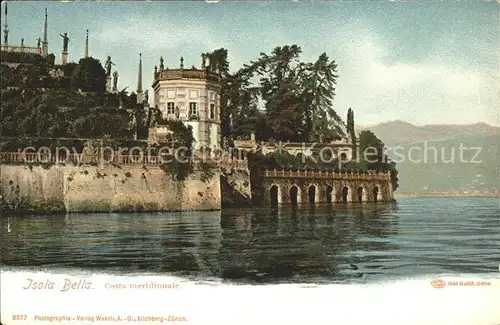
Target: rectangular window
212, 111
193, 110
170, 108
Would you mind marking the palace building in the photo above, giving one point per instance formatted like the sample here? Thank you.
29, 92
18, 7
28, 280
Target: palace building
192, 96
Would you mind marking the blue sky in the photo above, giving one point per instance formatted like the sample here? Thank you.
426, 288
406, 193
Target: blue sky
421, 62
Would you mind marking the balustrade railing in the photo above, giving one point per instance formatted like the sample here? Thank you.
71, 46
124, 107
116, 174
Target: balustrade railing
77, 159
174, 74
21, 49
367, 175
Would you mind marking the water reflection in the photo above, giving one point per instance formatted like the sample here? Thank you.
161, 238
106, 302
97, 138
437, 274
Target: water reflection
310, 243
313, 242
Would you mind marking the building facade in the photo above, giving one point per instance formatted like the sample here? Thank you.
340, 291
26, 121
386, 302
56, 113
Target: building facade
344, 149
193, 97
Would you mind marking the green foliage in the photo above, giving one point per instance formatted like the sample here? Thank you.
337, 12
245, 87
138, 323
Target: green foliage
181, 140
297, 97
179, 170
38, 102
20, 57
68, 69
207, 171
373, 156
64, 114
394, 175
350, 124
89, 76
374, 159
182, 134
218, 61
26, 76
50, 60
284, 160
371, 149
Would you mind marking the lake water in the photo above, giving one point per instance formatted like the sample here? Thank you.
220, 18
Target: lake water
386, 249
315, 244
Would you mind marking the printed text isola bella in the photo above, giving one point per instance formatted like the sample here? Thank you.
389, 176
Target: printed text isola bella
86, 284
66, 285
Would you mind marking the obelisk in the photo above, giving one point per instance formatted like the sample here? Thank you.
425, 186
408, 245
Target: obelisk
139, 82
86, 50
45, 44
5, 29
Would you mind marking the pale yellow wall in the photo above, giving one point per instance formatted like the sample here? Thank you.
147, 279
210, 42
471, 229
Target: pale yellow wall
93, 188
181, 92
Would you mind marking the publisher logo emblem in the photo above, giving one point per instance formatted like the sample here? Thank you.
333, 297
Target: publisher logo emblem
438, 283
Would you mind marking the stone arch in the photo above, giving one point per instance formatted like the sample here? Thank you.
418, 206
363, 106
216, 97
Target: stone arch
294, 194
330, 193
313, 193
345, 191
274, 195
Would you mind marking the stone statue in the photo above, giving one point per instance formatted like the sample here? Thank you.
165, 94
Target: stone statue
146, 96
65, 41
6, 36
182, 62
161, 63
22, 42
115, 80
108, 65
39, 42
156, 72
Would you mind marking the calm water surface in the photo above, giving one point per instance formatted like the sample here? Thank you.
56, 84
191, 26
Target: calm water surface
314, 244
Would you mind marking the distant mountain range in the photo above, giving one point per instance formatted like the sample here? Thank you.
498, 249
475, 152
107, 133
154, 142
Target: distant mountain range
428, 157
399, 132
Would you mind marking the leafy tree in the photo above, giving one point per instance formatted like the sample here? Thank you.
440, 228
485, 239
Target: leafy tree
394, 175
371, 149
69, 68
50, 59
20, 57
350, 129
373, 157
218, 61
297, 97
350, 124
320, 80
182, 142
89, 76
280, 90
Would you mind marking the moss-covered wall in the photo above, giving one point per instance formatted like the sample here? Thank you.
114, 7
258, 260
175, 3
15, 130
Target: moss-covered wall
105, 188
236, 189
